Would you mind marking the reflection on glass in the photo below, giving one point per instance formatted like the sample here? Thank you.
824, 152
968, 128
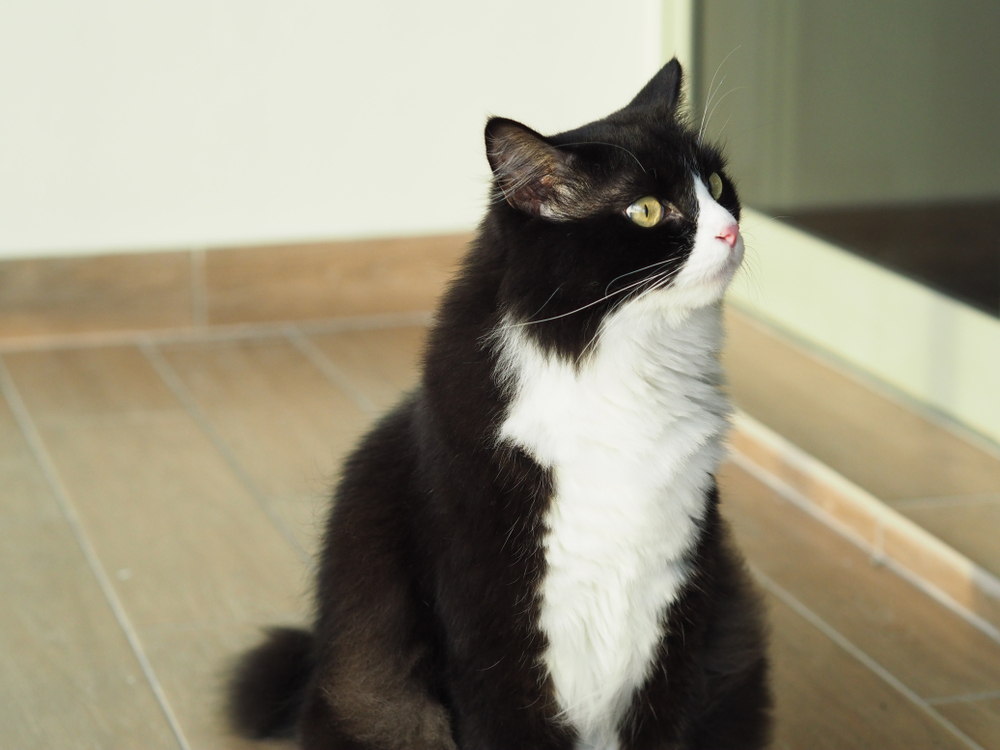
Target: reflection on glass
874, 125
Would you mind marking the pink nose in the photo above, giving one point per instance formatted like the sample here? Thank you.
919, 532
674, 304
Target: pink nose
729, 235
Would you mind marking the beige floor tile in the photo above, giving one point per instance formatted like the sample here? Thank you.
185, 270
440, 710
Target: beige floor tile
979, 719
973, 528
289, 426
66, 668
192, 664
90, 382
919, 641
381, 364
886, 449
65, 664
166, 514
25, 493
306, 518
825, 699
160, 504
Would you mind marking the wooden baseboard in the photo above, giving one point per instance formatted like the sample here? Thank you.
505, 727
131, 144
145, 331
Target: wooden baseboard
889, 537
180, 290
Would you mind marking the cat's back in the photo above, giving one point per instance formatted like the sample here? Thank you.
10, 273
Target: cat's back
375, 495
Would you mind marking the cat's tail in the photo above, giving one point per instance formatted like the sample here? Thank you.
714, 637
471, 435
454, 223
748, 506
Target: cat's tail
267, 687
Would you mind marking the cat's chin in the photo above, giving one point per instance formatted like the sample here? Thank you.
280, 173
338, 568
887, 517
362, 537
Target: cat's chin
679, 301
717, 284
671, 306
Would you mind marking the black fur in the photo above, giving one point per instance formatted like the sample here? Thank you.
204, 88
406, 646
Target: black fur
427, 632
267, 687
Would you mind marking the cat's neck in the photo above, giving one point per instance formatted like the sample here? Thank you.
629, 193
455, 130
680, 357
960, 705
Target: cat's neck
653, 335
646, 373
645, 334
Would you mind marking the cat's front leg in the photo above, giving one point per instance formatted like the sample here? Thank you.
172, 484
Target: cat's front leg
499, 691
708, 689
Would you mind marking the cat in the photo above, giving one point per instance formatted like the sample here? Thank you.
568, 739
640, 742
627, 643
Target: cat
527, 552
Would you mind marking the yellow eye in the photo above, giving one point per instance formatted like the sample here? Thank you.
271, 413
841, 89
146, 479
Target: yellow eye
646, 212
715, 185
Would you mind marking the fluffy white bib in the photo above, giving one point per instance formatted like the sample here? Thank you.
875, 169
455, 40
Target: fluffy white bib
632, 438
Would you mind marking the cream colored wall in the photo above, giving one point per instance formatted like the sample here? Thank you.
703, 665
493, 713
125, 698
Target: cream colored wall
814, 127
195, 123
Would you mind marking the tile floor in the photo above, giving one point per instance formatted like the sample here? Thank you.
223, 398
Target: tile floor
161, 502
928, 471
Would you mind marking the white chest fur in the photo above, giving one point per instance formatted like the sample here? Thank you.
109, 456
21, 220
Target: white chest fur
632, 438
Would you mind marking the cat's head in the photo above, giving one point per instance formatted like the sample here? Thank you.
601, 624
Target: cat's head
631, 206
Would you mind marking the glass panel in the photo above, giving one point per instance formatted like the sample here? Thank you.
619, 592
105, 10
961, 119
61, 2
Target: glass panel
871, 124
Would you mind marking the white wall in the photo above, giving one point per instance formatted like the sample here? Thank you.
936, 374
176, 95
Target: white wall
128, 125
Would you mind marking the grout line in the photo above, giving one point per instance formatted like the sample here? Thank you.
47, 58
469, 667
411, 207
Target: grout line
222, 332
199, 289
833, 634
187, 399
946, 501
366, 322
330, 371
796, 498
945, 700
31, 435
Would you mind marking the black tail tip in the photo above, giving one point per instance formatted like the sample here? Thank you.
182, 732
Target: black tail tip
267, 685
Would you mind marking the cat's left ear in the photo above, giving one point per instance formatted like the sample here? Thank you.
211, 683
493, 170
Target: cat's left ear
534, 176
663, 89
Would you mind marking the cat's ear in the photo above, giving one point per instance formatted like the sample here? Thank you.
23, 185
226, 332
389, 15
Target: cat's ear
663, 89
533, 175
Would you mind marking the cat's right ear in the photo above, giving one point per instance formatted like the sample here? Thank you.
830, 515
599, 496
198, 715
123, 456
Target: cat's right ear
663, 89
533, 175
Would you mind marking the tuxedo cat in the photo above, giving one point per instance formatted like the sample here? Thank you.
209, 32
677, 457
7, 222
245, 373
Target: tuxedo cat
527, 552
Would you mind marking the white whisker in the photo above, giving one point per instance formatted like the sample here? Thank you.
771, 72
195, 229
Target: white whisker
708, 106
723, 129
657, 281
571, 312
640, 270
708, 102
548, 301
709, 120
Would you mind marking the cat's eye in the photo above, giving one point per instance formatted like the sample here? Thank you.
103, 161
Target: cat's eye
715, 185
646, 212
